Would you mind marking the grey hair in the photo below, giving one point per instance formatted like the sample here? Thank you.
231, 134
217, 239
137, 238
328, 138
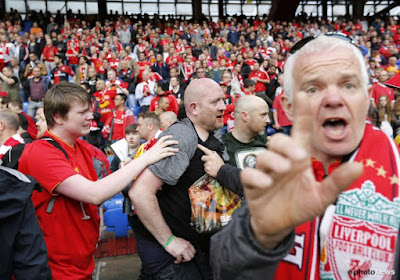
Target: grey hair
322, 44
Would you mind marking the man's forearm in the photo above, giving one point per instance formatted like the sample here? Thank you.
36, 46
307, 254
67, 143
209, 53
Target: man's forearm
149, 212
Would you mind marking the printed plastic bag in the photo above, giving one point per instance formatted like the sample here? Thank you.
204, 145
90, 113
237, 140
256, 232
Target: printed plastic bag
212, 205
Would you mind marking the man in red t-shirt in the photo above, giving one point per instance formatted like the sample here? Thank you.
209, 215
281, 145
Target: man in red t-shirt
380, 89
116, 123
48, 54
63, 165
281, 121
105, 98
61, 72
260, 77
161, 89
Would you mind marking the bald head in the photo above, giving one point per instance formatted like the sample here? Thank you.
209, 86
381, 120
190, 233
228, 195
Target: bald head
248, 103
198, 89
251, 116
205, 105
167, 119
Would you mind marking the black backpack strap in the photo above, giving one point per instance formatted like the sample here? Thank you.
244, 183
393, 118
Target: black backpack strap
56, 145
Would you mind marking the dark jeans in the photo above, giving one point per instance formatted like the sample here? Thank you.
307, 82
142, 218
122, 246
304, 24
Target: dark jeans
157, 264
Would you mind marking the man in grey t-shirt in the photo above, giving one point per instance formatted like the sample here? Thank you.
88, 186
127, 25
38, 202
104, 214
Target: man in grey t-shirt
160, 196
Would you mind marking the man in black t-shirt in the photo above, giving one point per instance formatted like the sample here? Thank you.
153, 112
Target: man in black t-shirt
160, 194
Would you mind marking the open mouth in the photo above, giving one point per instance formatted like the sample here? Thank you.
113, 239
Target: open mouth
220, 117
335, 128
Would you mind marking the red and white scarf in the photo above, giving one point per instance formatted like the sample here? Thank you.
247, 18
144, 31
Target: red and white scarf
14, 140
3, 50
360, 231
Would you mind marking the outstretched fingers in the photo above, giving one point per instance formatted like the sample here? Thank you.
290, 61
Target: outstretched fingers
302, 121
337, 182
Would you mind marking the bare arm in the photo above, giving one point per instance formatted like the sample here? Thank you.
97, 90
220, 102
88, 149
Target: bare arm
7, 80
82, 189
143, 196
276, 123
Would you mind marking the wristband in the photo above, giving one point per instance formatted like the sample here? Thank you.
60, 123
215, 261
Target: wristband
168, 241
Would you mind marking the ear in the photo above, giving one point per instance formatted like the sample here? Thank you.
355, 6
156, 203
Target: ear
245, 116
287, 107
194, 109
58, 119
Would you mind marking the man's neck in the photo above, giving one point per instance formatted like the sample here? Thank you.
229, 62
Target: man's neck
203, 134
175, 88
60, 133
151, 135
242, 136
121, 108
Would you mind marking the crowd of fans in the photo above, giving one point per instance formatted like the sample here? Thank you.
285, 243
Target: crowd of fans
140, 58
136, 70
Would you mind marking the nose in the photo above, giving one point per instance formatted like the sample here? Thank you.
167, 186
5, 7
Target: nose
333, 97
90, 116
267, 119
222, 106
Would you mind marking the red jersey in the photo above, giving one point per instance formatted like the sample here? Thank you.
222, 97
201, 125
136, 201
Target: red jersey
61, 73
250, 62
49, 53
72, 59
120, 119
282, 118
106, 103
260, 87
70, 232
174, 61
379, 90
32, 129
173, 104
114, 63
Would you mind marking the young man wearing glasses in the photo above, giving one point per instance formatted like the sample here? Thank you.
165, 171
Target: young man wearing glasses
339, 203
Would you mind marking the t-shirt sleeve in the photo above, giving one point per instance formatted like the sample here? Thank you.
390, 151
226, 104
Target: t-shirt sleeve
46, 164
170, 169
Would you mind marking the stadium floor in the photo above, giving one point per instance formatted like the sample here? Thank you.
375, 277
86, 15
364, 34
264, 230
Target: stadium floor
117, 268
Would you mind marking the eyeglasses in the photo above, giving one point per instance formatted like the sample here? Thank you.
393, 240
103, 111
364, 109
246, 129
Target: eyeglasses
336, 34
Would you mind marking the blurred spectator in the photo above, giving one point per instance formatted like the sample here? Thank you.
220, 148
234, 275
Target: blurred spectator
10, 83
161, 90
144, 92
48, 55
118, 121
11, 142
33, 61
61, 72
167, 119
36, 89
31, 129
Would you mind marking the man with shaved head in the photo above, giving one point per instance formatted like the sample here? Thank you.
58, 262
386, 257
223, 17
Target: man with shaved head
251, 118
242, 144
167, 244
167, 119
